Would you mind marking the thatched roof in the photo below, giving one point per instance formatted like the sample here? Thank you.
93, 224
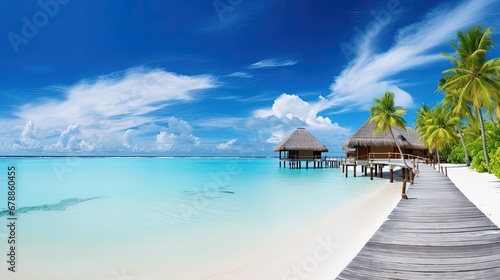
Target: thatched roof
364, 137
300, 140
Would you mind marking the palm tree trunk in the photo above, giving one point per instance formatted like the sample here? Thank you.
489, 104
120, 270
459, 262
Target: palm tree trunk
483, 136
399, 148
403, 190
467, 158
439, 160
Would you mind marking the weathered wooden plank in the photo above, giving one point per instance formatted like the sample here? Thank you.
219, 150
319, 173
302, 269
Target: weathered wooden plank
436, 234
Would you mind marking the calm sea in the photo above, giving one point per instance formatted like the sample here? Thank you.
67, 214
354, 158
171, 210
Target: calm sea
159, 218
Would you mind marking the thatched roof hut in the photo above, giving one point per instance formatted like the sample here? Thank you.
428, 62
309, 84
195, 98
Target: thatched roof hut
364, 137
300, 140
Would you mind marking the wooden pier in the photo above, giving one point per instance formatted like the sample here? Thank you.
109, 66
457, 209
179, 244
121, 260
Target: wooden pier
436, 234
298, 163
376, 162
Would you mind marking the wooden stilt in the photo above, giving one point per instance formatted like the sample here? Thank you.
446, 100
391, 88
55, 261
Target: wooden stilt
371, 172
391, 175
403, 191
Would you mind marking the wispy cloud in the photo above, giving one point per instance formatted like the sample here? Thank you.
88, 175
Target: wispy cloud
219, 122
241, 75
273, 62
227, 145
104, 113
370, 73
118, 101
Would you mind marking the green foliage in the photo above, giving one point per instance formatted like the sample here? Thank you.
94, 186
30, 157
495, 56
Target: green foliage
493, 147
457, 154
476, 153
495, 163
386, 115
437, 126
473, 80
472, 130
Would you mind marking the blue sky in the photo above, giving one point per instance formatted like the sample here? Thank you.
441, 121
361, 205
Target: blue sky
224, 77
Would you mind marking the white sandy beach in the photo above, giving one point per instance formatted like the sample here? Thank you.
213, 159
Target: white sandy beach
326, 249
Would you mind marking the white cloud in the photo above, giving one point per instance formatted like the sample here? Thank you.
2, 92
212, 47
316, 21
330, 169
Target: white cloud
289, 112
69, 135
273, 62
165, 141
370, 74
277, 136
226, 146
127, 139
241, 75
219, 122
29, 138
73, 139
178, 134
292, 106
116, 102
106, 113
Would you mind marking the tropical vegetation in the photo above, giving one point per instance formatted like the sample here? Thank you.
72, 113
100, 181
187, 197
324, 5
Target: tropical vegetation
437, 127
464, 126
473, 81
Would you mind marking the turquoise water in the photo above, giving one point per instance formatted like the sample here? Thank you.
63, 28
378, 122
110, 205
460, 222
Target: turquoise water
161, 218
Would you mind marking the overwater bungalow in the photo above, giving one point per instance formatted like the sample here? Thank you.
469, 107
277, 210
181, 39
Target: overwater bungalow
363, 143
301, 146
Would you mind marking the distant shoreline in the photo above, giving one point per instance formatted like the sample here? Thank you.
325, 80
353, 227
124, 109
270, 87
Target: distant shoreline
74, 156
143, 156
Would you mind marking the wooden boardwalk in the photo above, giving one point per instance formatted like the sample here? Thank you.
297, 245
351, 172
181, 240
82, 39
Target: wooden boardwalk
436, 234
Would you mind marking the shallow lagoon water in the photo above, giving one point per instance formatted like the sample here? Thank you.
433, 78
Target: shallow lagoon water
162, 218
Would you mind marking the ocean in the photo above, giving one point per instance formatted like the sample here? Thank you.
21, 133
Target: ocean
158, 218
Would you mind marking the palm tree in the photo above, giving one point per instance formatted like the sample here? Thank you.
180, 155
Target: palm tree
440, 129
420, 116
386, 115
472, 131
476, 77
460, 107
